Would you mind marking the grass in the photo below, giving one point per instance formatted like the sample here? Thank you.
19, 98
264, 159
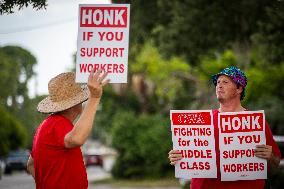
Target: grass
167, 182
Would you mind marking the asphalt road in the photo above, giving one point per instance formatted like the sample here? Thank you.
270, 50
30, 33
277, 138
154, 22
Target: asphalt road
21, 180
16, 181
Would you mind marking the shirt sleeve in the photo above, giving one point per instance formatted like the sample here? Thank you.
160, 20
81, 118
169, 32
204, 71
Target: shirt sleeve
35, 142
270, 141
62, 128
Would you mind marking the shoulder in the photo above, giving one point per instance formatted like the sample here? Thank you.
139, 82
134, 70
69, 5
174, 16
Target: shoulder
58, 118
56, 122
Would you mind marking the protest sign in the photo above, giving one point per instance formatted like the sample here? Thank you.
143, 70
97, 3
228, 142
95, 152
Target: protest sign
193, 135
103, 41
239, 133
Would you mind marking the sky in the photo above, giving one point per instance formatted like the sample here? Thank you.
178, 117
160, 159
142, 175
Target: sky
49, 34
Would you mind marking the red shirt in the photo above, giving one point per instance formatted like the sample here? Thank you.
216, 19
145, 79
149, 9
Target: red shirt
215, 183
57, 167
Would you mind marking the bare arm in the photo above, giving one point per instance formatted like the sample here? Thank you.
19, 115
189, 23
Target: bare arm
265, 152
30, 166
80, 132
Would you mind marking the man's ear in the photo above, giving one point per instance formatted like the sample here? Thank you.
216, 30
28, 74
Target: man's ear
240, 89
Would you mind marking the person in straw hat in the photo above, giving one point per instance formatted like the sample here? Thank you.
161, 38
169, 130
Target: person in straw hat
56, 160
230, 86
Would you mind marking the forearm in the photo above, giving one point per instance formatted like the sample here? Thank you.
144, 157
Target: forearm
30, 166
274, 161
80, 132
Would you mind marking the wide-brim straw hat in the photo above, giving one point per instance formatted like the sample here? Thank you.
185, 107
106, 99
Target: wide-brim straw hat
64, 93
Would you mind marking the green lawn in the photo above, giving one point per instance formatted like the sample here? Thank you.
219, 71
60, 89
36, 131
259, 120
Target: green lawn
140, 183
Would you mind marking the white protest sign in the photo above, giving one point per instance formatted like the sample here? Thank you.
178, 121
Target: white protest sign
193, 135
102, 41
239, 133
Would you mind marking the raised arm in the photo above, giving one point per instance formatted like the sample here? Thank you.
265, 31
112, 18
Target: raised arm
80, 132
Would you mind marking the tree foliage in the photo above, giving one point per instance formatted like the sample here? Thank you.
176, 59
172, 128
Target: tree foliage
142, 142
8, 6
16, 70
165, 76
268, 41
111, 103
12, 133
193, 28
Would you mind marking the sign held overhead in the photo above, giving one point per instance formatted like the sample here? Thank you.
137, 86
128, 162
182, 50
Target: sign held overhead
102, 42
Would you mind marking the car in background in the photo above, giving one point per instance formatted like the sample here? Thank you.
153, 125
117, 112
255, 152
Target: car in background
280, 142
2, 165
276, 176
16, 160
93, 159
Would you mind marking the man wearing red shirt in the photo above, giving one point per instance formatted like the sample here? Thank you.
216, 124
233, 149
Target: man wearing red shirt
56, 161
230, 90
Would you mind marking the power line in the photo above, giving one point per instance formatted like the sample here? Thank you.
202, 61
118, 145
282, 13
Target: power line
26, 29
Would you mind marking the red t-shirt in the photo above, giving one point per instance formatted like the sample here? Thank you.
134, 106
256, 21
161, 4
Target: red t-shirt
215, 183
57, 167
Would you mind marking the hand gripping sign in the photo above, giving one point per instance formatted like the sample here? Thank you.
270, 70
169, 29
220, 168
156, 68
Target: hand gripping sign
103, 41
193, 135
239, 133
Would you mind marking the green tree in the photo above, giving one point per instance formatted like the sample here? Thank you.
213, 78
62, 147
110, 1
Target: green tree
137, 138
7, 6
268, 41
165, 77
12, 133
194, 28
16, 70
30, 117
264, 91
209, 65
112, 103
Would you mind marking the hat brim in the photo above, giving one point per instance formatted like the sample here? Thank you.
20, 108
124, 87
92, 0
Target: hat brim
48, 106
215, 78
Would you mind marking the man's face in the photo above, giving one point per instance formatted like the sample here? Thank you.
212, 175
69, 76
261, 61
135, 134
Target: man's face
78, 108
226, 89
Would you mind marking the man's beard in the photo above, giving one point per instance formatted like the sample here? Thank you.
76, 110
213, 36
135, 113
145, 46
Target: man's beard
221, 100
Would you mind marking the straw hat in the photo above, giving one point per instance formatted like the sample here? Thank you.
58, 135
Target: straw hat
64, 93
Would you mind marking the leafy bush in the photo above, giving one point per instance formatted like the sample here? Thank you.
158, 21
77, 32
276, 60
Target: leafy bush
143, 143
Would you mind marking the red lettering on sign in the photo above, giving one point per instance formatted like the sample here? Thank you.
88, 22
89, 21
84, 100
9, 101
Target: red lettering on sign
103, 17
241, 123
101, 52
238, 153
191, 131
241, 167
195, 165
196, 153
198, 118
109, 68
